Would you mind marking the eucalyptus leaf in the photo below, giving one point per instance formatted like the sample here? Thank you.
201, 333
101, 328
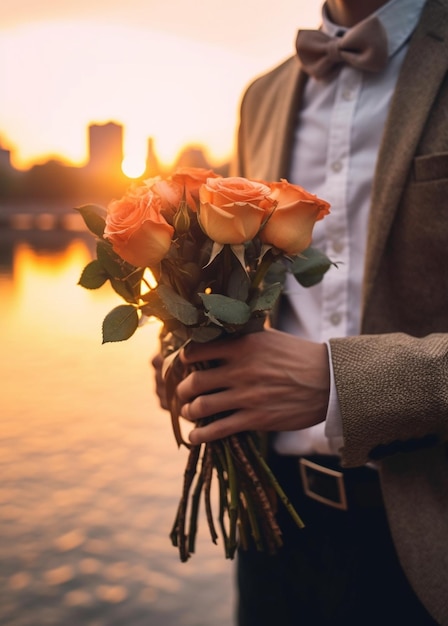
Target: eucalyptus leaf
177, 306
155, 307
309, 268
276, 273
226, 309
203, 334
120, 324
214, 319
94, 217
238, 284
93, 276
267, 299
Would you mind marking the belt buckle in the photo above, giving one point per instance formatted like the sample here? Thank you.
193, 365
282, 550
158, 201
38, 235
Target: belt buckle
308, 468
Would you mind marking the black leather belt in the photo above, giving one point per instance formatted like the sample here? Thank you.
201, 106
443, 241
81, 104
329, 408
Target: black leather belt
325, 481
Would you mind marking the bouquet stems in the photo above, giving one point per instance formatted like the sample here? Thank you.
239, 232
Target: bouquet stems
246, 486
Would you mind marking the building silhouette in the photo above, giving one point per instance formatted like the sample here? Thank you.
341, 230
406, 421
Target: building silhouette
192, 157
98, 181
153, 167
105, 143
5, 160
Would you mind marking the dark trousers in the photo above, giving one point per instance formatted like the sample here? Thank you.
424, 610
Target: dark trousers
341, 569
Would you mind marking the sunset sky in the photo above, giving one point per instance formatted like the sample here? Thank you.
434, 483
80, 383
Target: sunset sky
168, 69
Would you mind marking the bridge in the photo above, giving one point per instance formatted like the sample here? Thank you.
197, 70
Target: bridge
41, 216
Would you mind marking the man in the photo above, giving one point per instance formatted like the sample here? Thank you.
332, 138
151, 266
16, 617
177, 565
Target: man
355, 380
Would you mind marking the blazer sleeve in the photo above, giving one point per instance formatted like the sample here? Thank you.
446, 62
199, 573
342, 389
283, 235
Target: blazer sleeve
393, 393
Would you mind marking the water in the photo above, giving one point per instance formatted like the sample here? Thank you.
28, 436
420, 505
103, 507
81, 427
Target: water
89, 471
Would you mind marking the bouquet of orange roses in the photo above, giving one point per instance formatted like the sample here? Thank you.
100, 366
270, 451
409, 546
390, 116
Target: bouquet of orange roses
217, 251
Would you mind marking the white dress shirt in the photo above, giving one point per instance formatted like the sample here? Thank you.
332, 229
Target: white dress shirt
337, 138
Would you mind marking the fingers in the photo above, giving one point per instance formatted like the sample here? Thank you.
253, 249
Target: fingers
210, 404
211, 351
157, 363
223, 427
266, 381
201, 382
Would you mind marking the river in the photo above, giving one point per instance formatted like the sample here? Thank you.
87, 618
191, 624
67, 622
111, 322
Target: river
90, 474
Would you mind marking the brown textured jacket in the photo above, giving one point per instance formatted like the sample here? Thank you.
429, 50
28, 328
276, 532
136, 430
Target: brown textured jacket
392, 381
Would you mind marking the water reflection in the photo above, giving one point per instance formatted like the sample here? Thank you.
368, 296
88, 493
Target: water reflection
90, 472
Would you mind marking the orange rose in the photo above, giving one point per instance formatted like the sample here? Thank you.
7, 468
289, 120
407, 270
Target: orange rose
170, 194
137, 230
290, 226
191, 178
232, 209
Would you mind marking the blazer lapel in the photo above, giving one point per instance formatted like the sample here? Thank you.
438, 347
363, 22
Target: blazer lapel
274, 156
286, 126
422, 72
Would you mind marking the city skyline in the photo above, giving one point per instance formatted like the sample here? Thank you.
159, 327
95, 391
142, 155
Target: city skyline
173, 71
58, 184
105, 152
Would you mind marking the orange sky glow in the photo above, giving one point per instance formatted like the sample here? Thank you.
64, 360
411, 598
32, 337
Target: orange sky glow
170, 70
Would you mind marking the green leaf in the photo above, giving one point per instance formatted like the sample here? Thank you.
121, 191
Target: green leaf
93, 276
309, 268
276, 273
177, 306
226, 309
124, 277
202, 334
155, 306
112, 263
94, 218
134, 283
120, 324
267, 299
238, 284
122, 288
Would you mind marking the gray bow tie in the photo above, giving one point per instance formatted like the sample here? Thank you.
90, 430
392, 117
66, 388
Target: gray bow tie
364, 46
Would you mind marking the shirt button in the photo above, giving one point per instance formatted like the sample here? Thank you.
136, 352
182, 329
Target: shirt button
336, 166
335, 318
338, 246
347, 95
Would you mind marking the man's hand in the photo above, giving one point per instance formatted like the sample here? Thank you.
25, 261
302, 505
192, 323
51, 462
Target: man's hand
271, 381
157, 363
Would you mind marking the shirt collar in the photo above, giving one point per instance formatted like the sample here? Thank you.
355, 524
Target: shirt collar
398, 17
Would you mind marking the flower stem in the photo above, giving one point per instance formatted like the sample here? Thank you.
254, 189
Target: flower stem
195, 499
190, 471
233, 505
223, 500
258, 487
174, 530
274, 482
255, 529
243, 524
262, 269
208, 473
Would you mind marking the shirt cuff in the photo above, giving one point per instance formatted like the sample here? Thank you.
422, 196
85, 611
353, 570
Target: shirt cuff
333, 420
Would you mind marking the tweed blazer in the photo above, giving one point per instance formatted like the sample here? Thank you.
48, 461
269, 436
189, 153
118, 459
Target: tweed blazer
392, 380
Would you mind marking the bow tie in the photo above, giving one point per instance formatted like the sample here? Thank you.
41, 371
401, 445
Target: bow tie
364, 46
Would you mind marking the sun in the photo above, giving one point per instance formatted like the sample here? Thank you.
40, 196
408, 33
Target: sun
133, 167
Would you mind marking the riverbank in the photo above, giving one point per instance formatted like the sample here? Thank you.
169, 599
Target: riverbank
90, 472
